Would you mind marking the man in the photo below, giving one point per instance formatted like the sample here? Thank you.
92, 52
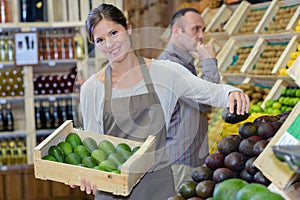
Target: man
187, 141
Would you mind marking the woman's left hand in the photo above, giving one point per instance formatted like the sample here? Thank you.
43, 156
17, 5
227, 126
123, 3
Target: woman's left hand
241, 100
85, 185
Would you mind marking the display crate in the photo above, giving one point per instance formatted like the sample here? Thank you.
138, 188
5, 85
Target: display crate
279, 17
277, 88
119, 184
219, 20
276, 171
239, 21
290, 48
266, 53
232, 56
208, 14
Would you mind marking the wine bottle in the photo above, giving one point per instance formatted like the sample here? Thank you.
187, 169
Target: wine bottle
2, 119
38, 120
9, 118
47, 120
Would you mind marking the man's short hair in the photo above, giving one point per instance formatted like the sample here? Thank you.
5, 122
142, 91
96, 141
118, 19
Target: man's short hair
181, 13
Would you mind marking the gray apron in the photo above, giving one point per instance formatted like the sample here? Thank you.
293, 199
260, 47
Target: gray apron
135, 118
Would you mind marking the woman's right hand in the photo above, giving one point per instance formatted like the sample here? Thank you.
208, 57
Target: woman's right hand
85, 185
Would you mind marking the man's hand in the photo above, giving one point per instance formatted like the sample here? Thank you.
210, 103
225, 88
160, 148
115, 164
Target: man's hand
241, 100
203, 51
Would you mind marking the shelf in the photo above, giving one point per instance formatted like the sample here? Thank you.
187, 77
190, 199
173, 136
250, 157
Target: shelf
13, 133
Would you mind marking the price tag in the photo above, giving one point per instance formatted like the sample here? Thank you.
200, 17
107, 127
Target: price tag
52, 63
3, 101
52, 98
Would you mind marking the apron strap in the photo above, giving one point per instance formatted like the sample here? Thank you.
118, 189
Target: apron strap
107, 83
145, 73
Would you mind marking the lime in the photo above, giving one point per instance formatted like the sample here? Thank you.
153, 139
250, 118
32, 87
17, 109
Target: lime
73, 139
276, 105
276, 112
269, 103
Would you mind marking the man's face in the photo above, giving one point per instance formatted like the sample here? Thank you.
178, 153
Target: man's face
192, 27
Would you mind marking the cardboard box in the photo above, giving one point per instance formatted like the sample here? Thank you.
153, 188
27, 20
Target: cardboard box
276, 171
119, 184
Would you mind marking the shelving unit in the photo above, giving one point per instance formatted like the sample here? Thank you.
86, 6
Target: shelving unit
23, 106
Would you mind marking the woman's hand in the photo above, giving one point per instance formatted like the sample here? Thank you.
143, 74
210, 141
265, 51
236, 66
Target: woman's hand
85, 185
241, 100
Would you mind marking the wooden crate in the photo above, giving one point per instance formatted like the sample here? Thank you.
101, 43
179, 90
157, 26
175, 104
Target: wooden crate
225, 56
276, 171
264, 43
240, 16
283, 60
219, 20
279, 17
208, 14
119, 184
277, 88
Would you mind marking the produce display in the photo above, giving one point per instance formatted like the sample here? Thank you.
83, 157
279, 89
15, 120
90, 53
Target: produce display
252, 20
103, 156
233, 161
281, 19
293, 57
238, 59
256, 93
268, 58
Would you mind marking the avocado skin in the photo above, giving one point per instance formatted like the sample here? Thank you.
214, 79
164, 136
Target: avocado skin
233, 118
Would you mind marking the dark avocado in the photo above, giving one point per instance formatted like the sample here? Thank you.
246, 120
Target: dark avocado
202, 173
205, 189
260, 178
246, 176
233, 118
250, 167
222, 174
235, 161
246, 147
228, 145
247, 130
215, 160
259, 146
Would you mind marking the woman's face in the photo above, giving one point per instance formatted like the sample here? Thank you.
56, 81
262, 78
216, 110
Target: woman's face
112, 39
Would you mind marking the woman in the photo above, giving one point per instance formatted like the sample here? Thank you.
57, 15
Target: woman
134, 97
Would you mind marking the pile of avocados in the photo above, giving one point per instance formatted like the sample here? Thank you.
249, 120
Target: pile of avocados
234, 159
103, 156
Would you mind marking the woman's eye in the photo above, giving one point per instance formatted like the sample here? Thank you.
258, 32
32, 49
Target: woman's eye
114, 33
99, 41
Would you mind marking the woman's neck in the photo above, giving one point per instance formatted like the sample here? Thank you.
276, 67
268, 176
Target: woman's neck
128, 63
